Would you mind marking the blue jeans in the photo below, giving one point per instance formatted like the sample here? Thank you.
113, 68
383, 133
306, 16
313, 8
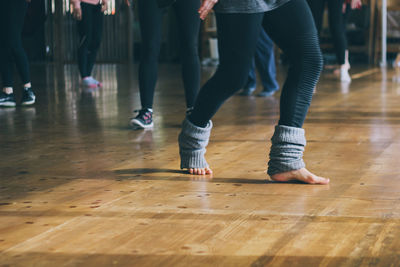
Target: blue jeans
264, 60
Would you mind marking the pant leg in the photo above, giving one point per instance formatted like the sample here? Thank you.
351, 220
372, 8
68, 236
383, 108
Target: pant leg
14, 23
337, 28
252, 78
5, 67
189, 28
237, 40
265, 62
150, 18
292, 28
85, 30
317, 8
97, 34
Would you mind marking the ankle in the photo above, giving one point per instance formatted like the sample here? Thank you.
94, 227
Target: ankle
8, 90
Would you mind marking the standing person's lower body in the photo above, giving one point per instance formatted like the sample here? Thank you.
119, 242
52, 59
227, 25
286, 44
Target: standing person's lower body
264, 60
12, 15
337, 29
90, 30
292, 28
150, 18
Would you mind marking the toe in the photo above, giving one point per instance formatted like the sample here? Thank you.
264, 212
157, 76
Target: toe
320, 180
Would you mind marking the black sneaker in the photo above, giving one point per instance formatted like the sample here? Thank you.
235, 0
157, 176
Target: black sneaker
7, 100
143, 120
28, 97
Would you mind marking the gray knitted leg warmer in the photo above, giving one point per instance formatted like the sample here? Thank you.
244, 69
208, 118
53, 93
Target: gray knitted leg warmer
192, 145
286, 150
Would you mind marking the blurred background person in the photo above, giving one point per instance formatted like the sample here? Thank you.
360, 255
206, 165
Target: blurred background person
151, 21
12, 15
90, 16
336, 9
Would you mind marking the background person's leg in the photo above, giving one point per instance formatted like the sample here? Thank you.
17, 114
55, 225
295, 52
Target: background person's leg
17, 10
265, 62
338, 32
337, 28
251, 84
85, 30
6, 62
97, 33
189, 27
150, 19
317, 9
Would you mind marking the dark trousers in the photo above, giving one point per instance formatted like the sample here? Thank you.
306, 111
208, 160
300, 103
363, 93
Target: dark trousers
264, 60
150, 17
90, 30
336, 24
292, 28
12, 14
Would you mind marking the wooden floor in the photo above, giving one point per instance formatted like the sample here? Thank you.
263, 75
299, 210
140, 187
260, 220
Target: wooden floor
80, 188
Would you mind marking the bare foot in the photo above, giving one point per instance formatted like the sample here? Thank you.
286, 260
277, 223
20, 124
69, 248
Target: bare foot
200, 171
302, 175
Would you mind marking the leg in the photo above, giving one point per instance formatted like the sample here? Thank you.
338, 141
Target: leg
317, 8
293, 30
237, 38
338, 31
85, 28
97, 33
238, 34
251, 84
189, 26
7, 98
150, 18
265, 62
17, 11
6, 62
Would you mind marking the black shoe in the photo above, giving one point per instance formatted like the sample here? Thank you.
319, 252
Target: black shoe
143, 120
7, 100
28, 97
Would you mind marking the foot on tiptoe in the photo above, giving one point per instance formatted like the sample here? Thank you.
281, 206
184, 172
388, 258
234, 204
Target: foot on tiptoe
302, 175
200, 171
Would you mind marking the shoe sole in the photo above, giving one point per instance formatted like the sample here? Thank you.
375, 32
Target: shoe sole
137, 124
8, 104
267, 94
28, 103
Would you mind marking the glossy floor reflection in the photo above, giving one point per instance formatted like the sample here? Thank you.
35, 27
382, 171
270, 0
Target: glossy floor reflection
80, 188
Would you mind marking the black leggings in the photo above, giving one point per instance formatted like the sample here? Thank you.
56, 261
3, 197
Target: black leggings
150, 16
12, 14
90, 30
292, 28
336, 24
